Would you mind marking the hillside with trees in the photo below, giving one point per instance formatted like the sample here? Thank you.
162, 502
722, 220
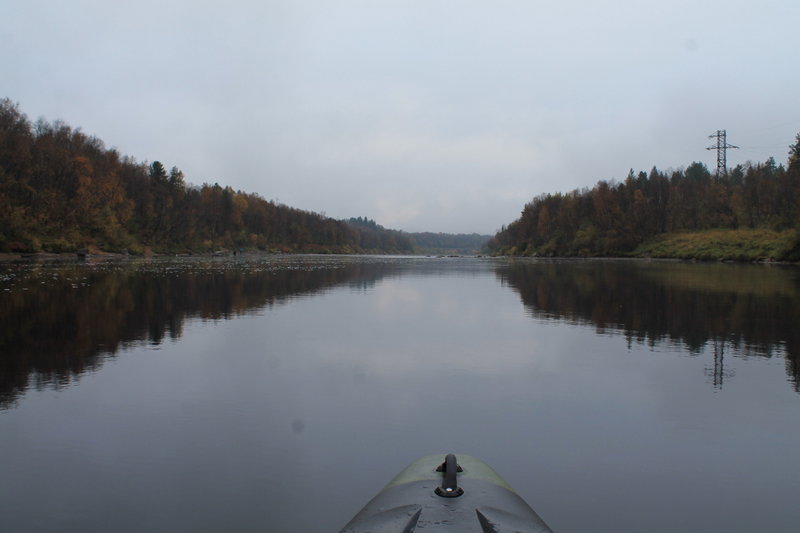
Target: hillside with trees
448, 243
428, 242
750, 212
62, 190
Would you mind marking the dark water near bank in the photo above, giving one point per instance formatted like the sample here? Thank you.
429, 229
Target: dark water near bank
279, 394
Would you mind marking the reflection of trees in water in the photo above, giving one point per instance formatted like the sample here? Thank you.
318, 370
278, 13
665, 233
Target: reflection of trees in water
59, 322
62, 321
750, 308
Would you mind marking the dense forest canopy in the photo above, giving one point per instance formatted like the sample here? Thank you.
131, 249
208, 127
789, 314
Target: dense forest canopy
61, 190
614, 218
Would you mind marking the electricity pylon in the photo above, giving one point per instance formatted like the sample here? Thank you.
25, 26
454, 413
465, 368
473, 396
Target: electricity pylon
721, 148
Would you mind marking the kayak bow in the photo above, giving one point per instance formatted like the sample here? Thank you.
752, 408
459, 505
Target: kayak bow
463, 495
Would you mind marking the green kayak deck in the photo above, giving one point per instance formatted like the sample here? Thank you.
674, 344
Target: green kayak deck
447, 493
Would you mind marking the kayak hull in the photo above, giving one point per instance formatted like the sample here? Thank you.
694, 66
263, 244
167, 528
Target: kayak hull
415, 501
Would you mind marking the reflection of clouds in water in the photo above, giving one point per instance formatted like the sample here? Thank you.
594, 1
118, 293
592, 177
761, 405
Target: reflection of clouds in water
359, 374
459, 335
456, 359
395, 297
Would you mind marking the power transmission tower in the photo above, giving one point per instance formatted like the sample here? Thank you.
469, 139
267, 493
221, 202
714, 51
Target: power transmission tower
721, 148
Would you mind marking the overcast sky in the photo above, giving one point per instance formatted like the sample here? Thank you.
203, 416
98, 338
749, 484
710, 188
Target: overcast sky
425, 115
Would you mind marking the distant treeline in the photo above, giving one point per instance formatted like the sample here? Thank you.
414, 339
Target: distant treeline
612, 219
62, 190
447, 243
431, 243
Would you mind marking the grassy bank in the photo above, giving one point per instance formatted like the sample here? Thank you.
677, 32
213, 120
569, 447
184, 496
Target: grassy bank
725, 245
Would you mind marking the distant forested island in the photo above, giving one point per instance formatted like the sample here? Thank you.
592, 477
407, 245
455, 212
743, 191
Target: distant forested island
751, 212
63, 191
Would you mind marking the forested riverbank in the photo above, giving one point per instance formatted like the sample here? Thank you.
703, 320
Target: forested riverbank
62, 190
752, 212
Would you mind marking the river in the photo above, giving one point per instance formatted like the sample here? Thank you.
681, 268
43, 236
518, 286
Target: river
280, 393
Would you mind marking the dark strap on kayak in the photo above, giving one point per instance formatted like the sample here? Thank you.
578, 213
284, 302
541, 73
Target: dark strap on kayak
449, 487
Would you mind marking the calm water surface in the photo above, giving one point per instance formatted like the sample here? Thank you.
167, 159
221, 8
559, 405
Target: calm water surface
279, 394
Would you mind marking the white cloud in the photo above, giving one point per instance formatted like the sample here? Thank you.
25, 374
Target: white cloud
398, 209
490, 151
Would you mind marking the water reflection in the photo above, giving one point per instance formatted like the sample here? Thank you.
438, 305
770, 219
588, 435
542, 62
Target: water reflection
60, 321
751, 310
376, 361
